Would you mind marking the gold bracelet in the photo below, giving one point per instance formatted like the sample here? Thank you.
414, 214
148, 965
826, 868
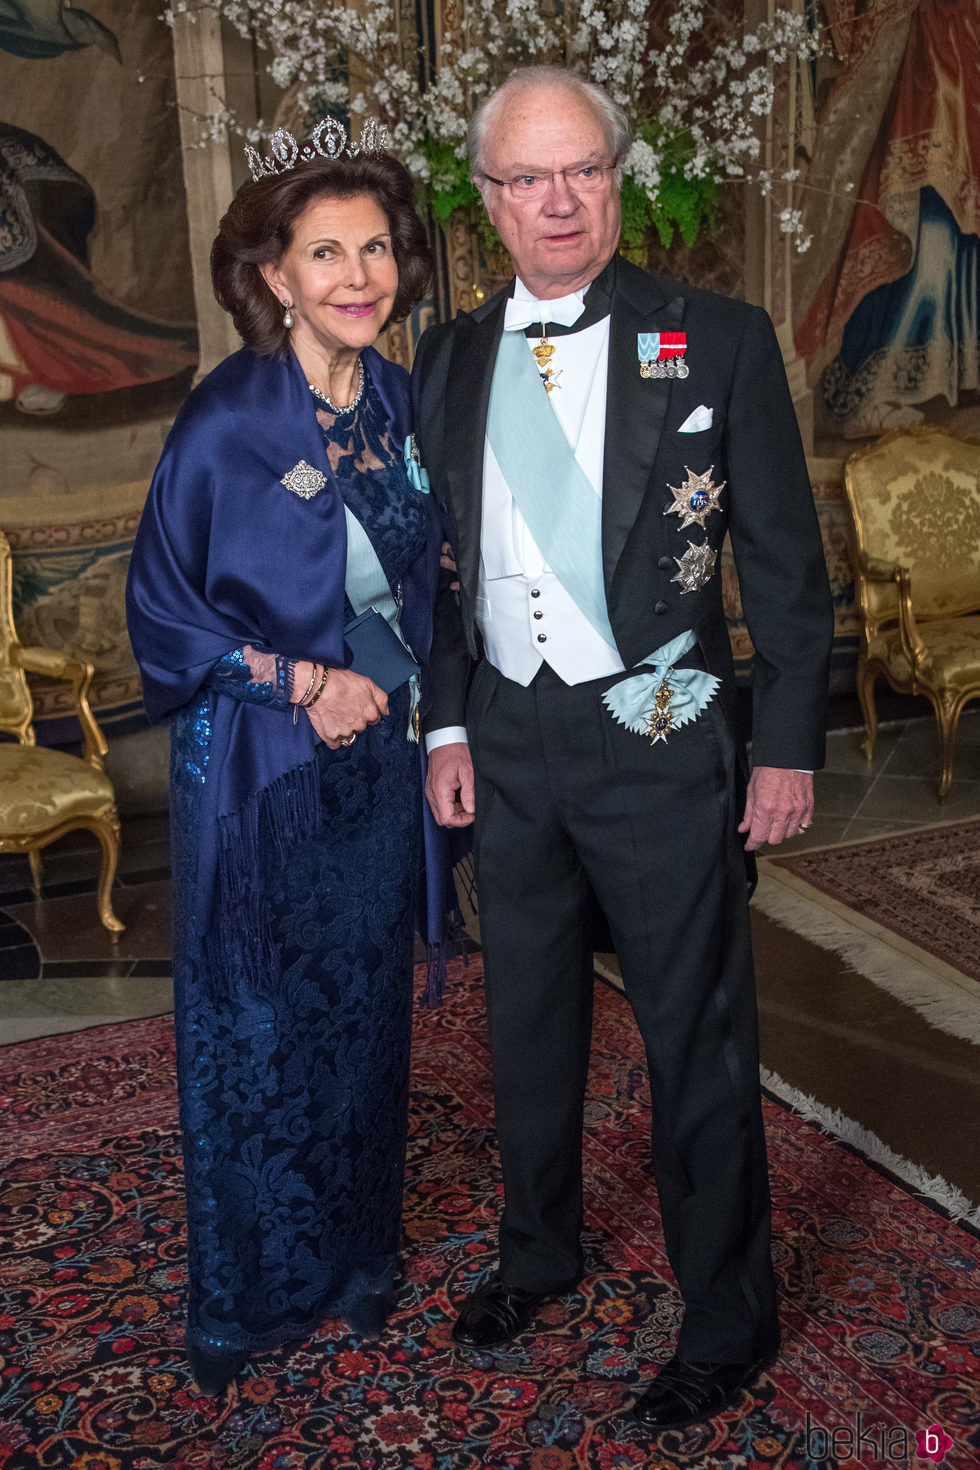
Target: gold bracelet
309, 703
309, 685
297, 702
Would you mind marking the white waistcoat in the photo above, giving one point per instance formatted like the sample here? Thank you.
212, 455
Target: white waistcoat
523, 612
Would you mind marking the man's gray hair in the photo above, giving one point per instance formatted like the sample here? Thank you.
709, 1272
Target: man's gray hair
558, 79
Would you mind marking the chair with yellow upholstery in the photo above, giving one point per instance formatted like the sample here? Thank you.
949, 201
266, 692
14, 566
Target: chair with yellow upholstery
915, 501
46, 793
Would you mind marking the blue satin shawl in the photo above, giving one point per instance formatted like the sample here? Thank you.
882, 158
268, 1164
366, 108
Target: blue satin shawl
227, 555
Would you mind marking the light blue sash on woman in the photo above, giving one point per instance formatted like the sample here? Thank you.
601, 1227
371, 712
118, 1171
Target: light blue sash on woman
564, 515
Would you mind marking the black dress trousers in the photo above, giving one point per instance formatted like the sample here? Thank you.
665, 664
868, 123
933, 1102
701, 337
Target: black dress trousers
570, 807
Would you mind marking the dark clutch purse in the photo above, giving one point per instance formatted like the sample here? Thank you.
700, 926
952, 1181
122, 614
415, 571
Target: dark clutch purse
378, 652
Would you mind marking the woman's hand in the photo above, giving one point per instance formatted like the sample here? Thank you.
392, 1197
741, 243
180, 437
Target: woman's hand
349, 703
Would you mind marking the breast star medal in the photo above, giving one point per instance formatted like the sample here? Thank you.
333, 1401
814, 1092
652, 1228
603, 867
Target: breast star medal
304, 480
695, 567
660, 720
543, 354
661, 354
695, 500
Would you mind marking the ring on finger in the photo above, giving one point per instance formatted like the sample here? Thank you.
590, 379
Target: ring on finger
350, 739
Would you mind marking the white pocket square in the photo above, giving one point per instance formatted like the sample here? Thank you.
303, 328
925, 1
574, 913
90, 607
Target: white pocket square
701, 418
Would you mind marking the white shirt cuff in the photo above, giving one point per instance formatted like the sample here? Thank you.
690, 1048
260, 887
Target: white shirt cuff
451, 735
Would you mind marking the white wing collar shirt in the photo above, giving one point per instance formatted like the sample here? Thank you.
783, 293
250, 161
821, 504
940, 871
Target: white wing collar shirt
523, 612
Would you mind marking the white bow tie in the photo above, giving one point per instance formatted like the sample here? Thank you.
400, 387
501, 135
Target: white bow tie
565, 310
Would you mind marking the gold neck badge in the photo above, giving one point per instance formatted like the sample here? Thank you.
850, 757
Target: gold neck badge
543, 354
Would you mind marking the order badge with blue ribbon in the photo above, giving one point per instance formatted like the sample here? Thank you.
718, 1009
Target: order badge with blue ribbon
661, 698
413, 466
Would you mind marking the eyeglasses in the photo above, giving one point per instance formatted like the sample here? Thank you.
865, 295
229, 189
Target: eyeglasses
585, 179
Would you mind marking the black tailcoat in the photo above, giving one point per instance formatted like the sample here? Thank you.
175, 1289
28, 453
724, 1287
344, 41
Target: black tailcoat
735, 368
572, 808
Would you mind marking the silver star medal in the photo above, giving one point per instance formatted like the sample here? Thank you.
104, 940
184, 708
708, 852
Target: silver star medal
304, 480
695, 500
695, 567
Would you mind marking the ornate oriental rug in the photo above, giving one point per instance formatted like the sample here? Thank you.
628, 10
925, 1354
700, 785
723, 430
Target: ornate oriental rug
881, 1293
903, 910
923, 886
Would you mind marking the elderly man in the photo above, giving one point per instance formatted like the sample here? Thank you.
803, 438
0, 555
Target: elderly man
588, 472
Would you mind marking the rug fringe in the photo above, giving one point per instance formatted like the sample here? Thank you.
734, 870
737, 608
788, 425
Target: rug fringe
932, 1186
942, 1003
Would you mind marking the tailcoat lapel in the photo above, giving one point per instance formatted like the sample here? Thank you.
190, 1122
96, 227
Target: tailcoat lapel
474, 355
636, 408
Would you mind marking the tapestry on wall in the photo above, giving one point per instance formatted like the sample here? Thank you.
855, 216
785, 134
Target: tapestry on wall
888, 315
98, 342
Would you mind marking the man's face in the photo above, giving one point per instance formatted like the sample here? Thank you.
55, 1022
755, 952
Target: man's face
560, 240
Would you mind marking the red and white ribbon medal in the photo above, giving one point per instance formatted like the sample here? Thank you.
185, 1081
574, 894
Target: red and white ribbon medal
661, 354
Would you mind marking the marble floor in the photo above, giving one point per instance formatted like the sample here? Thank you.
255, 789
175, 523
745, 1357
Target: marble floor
59, 971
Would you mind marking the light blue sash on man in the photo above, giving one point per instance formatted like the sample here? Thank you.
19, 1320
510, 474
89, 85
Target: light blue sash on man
564, 515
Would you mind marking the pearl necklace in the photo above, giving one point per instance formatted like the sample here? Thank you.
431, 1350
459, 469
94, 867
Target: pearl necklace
347, 407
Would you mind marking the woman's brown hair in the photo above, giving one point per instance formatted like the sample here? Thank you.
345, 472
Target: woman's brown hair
258, 229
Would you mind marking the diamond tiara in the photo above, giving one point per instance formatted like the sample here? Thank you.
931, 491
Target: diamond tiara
329, 139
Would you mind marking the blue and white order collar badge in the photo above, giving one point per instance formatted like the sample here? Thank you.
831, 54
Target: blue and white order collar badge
660, 698
661, 354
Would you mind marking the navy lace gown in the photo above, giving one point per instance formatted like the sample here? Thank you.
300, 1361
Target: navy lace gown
294, 1112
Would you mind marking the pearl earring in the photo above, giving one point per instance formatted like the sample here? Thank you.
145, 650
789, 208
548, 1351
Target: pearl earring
287, 319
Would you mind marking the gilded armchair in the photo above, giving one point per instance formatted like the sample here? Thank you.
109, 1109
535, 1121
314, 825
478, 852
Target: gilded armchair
46, 793
915, 502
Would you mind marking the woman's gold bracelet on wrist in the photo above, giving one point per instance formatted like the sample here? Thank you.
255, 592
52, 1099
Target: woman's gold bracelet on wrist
308, 703
309, 689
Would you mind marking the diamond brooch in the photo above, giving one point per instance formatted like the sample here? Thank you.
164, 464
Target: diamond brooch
304, 480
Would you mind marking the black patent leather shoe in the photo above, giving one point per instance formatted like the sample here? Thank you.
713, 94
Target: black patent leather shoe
214, 1372
690, 1393
496, 1312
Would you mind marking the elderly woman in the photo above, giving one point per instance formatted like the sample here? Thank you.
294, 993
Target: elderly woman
286, 506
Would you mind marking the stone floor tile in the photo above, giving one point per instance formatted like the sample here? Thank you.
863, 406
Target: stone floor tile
69, 928
841, 793
844, 753
914, 800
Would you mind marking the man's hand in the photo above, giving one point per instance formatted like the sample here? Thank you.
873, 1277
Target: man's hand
779, 804
447, 561
449, 785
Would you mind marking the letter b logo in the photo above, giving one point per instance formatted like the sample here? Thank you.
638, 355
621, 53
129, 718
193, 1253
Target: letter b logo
932, 1444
